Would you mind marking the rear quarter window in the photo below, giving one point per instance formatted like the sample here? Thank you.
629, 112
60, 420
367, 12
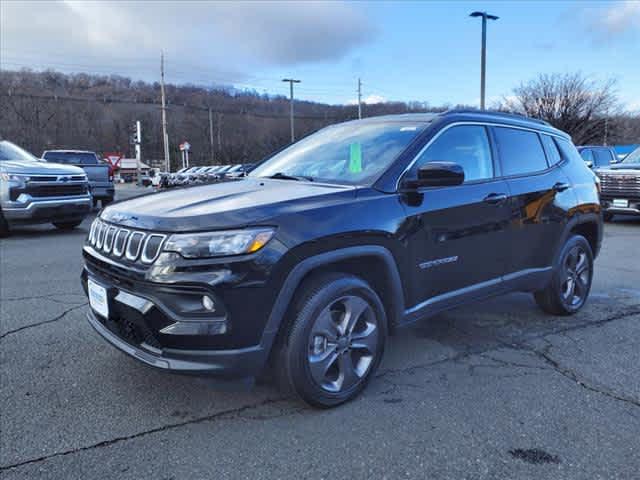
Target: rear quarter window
520, 151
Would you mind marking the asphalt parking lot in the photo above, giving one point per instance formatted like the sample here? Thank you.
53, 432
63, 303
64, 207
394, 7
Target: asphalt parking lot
497, 390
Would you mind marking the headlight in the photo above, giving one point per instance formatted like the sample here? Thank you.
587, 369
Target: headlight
217, 244
12, 177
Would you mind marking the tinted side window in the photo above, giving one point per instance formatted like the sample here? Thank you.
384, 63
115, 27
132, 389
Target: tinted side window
568, 150
466, 145
602, 156
553, 155
520, 151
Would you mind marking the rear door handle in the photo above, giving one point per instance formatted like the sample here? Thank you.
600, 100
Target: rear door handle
561, 186
495, 198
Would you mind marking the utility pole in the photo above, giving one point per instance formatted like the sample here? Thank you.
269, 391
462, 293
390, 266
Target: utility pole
138, 151
606, 129
219, 134
483, 51
211, 136
291, 82
165, 135
359, 99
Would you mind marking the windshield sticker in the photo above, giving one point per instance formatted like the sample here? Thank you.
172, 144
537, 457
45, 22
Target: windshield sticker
355, 158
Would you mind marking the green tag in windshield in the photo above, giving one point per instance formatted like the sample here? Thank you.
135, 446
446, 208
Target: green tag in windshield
355, 158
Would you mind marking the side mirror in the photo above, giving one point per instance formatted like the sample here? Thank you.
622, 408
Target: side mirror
589, 163
437, 174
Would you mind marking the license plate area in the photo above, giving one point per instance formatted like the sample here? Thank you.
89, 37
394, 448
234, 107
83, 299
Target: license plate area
620, 202
98, 299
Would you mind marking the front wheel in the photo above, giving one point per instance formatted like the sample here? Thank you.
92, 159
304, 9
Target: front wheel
571, 280
335, 342
67, 225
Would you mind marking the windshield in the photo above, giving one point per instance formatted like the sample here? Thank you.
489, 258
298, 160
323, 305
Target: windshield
633, 157
9, 151
350, 153
71, 158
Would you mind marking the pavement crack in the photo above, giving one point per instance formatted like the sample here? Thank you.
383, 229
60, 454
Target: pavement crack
44, 322
231, 413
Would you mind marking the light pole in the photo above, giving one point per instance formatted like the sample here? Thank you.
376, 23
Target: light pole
291, 82
483, 60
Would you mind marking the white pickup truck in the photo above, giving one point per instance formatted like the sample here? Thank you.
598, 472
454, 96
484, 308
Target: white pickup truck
35, 191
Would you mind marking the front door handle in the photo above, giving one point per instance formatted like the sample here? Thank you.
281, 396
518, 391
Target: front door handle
561, 186
495, 198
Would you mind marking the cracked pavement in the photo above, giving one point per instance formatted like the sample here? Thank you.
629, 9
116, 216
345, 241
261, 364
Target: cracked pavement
496, 390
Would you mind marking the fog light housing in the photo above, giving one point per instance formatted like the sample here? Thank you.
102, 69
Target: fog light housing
208, 304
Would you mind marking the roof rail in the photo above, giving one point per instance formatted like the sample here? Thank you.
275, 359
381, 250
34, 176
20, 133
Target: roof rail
498, 113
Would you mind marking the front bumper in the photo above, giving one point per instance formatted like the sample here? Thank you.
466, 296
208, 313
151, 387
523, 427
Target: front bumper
632, 209
239, 363
47, 209
160, 325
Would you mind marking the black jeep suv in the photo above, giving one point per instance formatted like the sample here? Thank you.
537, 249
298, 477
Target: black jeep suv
324, 249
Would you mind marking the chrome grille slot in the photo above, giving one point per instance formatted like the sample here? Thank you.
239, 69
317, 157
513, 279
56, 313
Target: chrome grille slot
134, 245
92, 232
152, 247
120, 242
108, 239
102, 230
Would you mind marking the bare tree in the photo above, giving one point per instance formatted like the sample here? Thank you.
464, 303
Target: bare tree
573, 102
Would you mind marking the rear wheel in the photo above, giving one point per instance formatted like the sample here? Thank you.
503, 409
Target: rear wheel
335, 342
571, 280
67, 225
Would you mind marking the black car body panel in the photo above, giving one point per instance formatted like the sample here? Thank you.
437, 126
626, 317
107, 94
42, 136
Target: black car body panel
424, 249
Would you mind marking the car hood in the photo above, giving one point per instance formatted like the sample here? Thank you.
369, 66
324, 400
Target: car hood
231, 204
26, 167
625, 166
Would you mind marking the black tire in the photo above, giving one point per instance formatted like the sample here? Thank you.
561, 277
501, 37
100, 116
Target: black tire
571, 281
4, 226
67, 225
106, 201
321, 338
94, 201
607, 216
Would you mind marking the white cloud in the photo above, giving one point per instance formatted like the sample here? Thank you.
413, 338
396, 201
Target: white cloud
616, 19
369, 100
226, 36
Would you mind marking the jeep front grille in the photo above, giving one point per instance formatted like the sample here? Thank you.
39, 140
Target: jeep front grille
119, 242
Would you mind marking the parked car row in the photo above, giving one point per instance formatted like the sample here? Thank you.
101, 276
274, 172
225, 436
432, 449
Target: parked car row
205, 174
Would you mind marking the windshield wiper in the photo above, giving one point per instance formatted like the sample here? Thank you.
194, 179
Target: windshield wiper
284, 176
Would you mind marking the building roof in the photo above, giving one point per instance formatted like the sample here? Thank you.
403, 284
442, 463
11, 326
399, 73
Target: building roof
130, 164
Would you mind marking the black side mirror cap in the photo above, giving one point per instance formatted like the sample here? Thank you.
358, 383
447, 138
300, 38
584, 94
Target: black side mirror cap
437, 174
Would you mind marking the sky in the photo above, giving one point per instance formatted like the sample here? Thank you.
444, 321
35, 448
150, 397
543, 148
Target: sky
409, 51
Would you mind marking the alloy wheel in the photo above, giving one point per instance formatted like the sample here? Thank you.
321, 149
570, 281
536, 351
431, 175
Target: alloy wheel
577, 275
343, 343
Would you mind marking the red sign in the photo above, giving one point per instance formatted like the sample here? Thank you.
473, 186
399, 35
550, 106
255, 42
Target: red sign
113, 159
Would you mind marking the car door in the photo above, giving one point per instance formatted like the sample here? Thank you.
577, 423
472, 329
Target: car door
540, 197
457, 240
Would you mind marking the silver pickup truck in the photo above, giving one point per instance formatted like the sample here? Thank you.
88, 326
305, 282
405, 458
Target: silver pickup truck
99, 174
35, 191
